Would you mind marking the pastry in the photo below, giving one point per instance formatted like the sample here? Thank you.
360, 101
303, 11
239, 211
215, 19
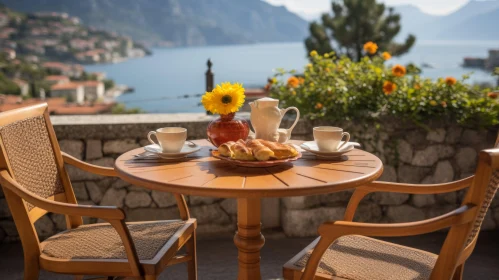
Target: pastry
226, 149
260, 151
241, 152
281, 151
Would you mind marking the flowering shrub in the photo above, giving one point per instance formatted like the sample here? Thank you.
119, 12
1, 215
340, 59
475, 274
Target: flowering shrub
340, 89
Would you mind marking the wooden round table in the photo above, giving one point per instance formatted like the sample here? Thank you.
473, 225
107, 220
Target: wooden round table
201, 174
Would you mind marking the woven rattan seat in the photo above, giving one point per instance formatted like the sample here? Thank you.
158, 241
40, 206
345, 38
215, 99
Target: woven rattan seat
35, 181
344, 251
363, 258
101, 241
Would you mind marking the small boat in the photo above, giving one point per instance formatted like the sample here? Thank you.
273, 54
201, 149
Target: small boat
427, 65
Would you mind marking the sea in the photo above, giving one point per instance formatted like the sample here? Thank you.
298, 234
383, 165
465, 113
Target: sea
171, 79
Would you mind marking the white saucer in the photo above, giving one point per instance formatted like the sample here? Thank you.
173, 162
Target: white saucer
188, 148
311, 146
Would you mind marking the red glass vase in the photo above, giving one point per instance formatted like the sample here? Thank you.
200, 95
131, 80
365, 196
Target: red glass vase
227, 128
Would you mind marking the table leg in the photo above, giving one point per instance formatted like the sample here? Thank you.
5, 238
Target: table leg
248, 239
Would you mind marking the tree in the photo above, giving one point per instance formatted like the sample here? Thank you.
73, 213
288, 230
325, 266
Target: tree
355, 22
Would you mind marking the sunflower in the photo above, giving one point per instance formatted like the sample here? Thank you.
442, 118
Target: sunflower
224, 99
398, 70
386, 55
293, 82
389, 87
450, 81
493, 95
370, 47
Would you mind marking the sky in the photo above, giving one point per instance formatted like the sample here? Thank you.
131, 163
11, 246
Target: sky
311, 8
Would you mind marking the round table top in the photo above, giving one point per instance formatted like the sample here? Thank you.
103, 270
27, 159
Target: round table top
203, 175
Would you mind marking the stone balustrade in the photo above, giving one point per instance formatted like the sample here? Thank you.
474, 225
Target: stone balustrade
411, 154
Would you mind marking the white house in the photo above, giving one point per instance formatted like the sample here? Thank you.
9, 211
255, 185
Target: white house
23, 86
73, 92
94, 90
57, 79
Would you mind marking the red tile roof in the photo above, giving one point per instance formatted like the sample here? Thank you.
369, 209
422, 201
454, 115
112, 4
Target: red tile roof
65, 86
19, 82
57, 105
56, 78
56, 65
89, 83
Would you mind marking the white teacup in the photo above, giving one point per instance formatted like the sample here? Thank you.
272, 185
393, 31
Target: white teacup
170, 139
328, 138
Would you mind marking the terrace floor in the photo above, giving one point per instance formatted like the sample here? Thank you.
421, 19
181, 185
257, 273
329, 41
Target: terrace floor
217, 259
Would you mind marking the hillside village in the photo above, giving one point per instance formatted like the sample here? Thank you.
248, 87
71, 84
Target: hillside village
41, 61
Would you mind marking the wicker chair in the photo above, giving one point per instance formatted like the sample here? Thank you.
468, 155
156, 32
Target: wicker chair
35, 182
343, 250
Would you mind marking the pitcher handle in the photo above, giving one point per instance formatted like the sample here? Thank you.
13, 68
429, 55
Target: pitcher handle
296, 120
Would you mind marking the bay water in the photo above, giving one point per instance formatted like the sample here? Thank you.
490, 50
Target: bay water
169, 80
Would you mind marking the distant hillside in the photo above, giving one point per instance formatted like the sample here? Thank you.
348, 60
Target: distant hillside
181, 22
472, 21
479, 27
412, 19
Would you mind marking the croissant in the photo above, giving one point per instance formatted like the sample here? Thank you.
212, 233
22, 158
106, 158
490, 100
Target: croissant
226, 149
281, 151
260, 152
241, 152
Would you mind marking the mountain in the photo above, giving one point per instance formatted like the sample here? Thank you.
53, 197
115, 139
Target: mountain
479, 27
463, 24
411, 19
181, 22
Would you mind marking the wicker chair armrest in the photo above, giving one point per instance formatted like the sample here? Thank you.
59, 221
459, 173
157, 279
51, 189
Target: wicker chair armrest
491, 156
330, 231
104, 212
378, 186
99, 170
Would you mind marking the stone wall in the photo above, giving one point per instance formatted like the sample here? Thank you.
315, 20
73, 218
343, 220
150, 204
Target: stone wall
435, 153
411, 154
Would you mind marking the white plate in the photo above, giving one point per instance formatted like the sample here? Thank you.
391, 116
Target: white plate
311, 146
188, 148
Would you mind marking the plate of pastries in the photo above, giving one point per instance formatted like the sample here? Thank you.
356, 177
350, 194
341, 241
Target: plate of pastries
256, 153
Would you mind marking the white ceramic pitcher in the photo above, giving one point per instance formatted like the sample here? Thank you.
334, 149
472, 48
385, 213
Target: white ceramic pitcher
266, 118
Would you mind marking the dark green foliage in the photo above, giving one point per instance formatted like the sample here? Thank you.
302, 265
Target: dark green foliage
121, 109
353, 23
108, 84
8, 87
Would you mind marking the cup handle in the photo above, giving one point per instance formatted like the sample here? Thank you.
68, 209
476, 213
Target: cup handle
296, 120
150, 139
346, 141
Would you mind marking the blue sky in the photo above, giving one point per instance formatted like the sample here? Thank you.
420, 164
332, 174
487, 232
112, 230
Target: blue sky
311, 8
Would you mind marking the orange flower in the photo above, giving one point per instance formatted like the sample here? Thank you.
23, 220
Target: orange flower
318, 106
493, 95
450, 81
389, 87
398, 70
386, 55
370, 47
444, 104
293, 82
417, 86
301, 80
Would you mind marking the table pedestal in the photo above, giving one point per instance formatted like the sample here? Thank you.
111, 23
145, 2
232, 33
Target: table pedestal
248, 239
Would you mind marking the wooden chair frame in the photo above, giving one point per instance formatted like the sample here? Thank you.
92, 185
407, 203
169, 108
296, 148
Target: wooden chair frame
454, 252
65, 203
